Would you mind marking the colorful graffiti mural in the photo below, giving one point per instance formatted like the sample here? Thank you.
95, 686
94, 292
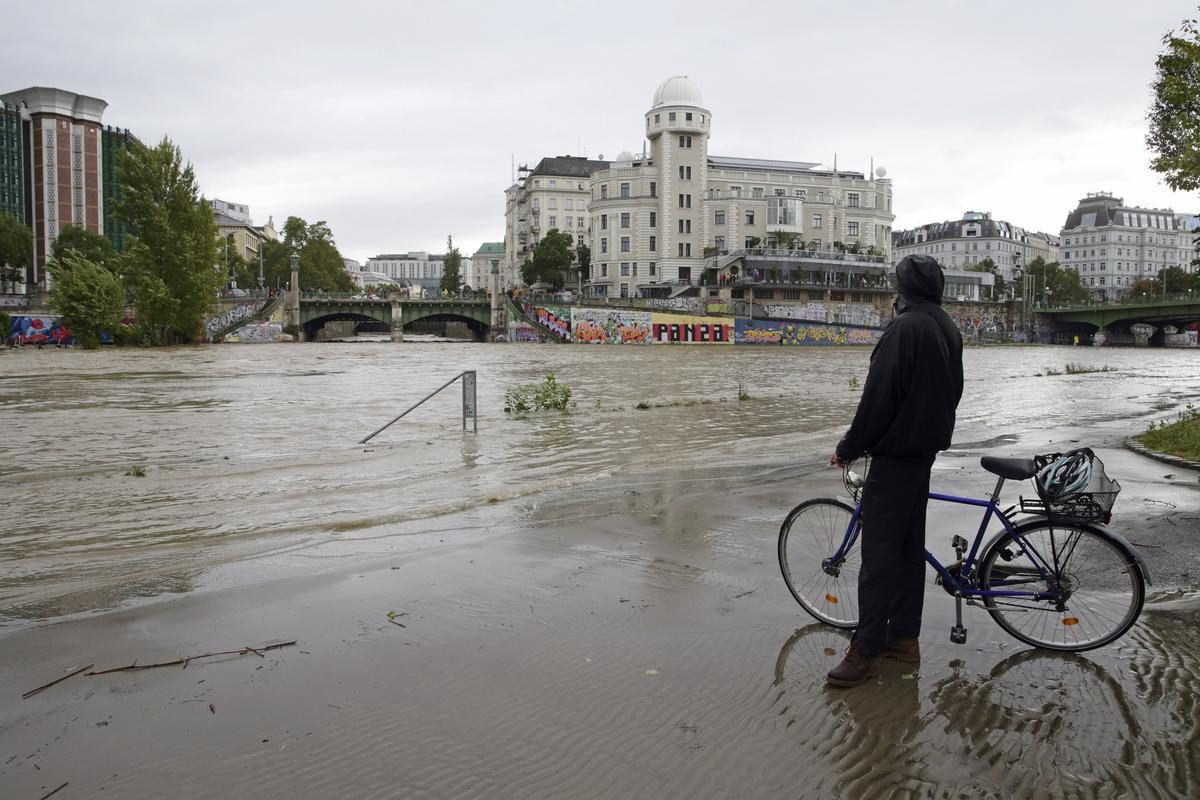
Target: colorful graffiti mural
789, 333
214, 325
25, 330
524, 332
977, 325
611, 326
681, 329
556, 318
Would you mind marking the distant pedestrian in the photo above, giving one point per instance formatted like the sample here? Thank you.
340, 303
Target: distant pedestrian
905, 416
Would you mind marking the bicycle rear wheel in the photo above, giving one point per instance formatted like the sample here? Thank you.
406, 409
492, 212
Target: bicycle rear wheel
1097, 587
811, 534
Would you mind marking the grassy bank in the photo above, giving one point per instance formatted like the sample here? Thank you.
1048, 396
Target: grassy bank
1180, 438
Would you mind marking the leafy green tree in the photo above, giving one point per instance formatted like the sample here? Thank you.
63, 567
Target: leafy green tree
1050, 280
321, 265
988, 265
583, 259
171, 266
16, 253
551, 258
238, 268
1174, 116
92, 246
451, 268
88, 297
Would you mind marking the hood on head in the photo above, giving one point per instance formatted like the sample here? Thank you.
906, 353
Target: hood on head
920, 279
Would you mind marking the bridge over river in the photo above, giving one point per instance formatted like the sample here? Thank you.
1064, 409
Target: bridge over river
315, 311
1150, 319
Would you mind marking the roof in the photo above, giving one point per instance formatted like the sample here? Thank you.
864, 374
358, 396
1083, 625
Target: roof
568, 166
772, 165
953, 229
1102, 210
677, 90
490, 248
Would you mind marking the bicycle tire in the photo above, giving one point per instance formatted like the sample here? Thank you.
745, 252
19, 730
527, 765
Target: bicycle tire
1103, 582
810, 533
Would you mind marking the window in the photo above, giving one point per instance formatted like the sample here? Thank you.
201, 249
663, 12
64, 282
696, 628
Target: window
671, 117
653, 244
658, 119
624, 244
654, 188
624, 290
757, 192
579, 222
536, 183
553, 221
624, 269
685, 142
603, 191
653, 219
604, 222
681, 201
685, 173
689, 201
569, 223
624, 219
681, 249
569, 204
720, 218
816, 220
552, 203
749, 217
687, 226
852, 228
749, 243
780, 192
719, 243
687, 117
624, 190
603, 244
604, 270
680, 226
852, 199
735, 191
652, 265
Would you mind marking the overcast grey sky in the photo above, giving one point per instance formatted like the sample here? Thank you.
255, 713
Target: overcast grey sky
398, 122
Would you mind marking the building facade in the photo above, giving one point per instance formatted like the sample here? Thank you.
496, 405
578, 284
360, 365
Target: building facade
963, 243
1112, 246
479, 273
554, 195
416, 269
657, 221
237, 227
61, 134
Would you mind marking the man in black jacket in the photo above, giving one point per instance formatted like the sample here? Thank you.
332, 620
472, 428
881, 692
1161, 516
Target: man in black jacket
905, 416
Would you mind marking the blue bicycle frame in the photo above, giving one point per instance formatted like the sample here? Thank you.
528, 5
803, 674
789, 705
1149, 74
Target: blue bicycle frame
959, 586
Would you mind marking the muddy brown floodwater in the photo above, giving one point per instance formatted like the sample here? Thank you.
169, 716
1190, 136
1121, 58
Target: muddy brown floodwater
589, 604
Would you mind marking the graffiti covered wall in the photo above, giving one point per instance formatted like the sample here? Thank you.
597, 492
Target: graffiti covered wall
556, 318
611, 326
524, 332
257, 333
37, 330
775, 332
687, 329
214, 325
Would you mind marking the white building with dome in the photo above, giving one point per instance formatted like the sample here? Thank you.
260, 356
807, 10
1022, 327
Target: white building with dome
655, 221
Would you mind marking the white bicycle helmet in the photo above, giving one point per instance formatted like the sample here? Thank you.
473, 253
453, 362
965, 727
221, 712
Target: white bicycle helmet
1065, 476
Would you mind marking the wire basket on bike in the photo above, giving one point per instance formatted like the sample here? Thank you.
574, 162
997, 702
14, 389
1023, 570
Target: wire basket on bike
1072, 486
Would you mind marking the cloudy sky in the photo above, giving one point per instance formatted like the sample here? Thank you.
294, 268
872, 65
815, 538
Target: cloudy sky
398, 123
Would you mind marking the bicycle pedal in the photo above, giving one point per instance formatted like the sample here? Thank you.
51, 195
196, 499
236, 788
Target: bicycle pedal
958, 634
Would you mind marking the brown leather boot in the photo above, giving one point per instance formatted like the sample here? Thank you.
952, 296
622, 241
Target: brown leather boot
906, 650
854, 670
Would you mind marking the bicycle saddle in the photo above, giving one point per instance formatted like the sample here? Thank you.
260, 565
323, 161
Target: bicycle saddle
1017, 469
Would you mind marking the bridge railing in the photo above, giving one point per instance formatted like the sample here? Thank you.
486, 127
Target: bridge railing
468, 409
1141, 300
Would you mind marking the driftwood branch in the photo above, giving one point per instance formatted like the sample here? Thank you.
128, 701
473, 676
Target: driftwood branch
32, 692
55, 791
258, 651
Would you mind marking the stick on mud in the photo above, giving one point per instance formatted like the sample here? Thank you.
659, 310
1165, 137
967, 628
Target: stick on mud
32, 692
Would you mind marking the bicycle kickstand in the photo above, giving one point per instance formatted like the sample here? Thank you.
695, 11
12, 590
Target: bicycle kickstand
958, 634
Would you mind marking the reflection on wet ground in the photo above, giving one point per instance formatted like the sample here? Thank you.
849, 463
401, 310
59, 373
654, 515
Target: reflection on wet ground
1120, 722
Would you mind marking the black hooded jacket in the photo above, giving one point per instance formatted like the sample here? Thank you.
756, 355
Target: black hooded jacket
916, 378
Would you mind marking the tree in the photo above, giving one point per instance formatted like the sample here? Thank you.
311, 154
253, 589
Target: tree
1054, 283
88, 297
321, 265
172, 265
583, 259
784, 240
1174, 115
16, 254
95, 247
451, 268
551, 258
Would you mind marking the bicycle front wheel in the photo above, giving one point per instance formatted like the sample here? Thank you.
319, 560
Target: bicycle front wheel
1093, 589
808, 539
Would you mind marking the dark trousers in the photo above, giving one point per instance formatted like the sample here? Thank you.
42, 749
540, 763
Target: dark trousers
891, 585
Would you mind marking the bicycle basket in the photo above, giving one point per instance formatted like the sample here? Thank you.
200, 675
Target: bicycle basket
1093, 502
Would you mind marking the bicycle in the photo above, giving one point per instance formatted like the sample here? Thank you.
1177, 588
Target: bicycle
1057, 578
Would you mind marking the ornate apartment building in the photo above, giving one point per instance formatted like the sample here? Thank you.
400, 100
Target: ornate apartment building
658, 220
1112, 245
962, 243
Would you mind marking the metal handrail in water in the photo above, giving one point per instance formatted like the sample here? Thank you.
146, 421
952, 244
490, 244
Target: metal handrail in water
468, 378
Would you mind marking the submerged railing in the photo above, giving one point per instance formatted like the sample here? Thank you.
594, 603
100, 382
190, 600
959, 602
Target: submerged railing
468, 398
